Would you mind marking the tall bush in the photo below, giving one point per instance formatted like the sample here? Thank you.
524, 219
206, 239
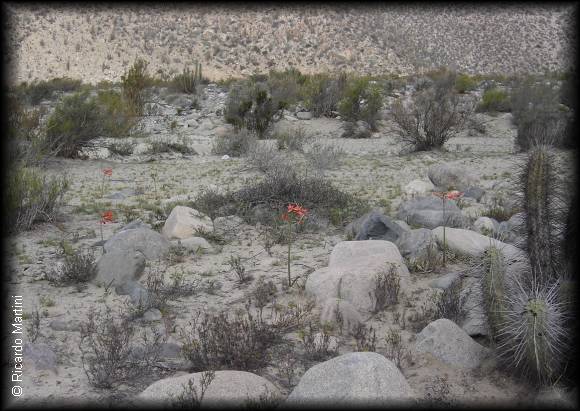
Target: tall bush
362, 100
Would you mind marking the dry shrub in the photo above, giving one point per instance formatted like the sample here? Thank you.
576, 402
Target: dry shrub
323, 156
236, 144
79, 267
433, 116
386, 291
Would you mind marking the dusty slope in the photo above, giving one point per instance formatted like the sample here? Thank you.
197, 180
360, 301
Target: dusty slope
97, 43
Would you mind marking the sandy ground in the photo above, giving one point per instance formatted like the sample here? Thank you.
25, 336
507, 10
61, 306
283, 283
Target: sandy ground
371, 169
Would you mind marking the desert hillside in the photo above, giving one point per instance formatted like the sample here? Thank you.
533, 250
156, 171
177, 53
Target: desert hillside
95, 43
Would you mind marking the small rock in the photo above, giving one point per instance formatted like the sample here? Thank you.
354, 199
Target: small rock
374, 226
119, 267
183, 221
413, 244
474, 192
62, 325
152, 314
225, 157
445, 281
193, 244
428, 212
418, 188
451, 177
304, 115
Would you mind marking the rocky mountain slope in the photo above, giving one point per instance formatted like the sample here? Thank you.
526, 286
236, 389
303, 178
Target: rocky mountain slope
97, 43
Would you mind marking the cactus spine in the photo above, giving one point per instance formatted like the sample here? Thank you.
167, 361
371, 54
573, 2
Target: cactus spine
191, 79
493, 287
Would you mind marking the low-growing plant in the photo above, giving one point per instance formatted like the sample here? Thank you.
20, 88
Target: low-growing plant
236, 144
465, 83
291, 140
209, 201
109, 353
33, 328
263, 294
37, 91
451, 303
264, 157
121, 148
324, 156
188, 81
158, 147
395, 349
231, 342
31, 197
365, 338
362, 101
237, 266
386, 289
316, 345
190, 398
494, 100
79, 267
285, 87
211, 236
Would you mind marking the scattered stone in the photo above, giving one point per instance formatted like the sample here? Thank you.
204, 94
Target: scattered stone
119, 267
451, 177
229, 388
62, 325
348, 314
40, 355
418, 188
474, 192
402, 224
374, 226
445, 281
225, 157
428, 212
136, 292
138, 223
152, 314
142, 239
450, 344
359, 378
304, 115
414, 243
183, 221
194, 244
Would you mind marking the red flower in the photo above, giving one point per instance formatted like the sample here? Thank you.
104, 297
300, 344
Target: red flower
450, 195
285, 216
107, 217
108, 171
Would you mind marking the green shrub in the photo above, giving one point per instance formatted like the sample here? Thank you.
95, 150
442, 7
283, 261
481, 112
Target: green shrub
134, 83
494, 99
250, 106
362, 101
292, 140
322, 94
117, 119
464, 83
31, 197
38, 91
26, 143
75, 120
285, 87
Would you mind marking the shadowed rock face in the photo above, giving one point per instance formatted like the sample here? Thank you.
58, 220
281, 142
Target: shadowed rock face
375, 226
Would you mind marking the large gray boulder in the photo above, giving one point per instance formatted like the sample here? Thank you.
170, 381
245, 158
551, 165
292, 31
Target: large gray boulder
446, 341
472, 244
354, 379
352, 270
428, 212
334, 309
119, 267
183, 222
229, 388
413, 244
374, 226
451, 177
142, 239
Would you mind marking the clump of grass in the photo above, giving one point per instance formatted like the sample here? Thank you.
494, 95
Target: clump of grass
386, 290
236, 144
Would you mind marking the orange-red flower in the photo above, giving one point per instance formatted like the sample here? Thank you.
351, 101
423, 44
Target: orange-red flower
107, 217
450, 195
108, 171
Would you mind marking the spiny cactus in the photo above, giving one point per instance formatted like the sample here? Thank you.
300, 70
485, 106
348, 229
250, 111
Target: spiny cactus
494, 289
533, 339
543, 214
189, 80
